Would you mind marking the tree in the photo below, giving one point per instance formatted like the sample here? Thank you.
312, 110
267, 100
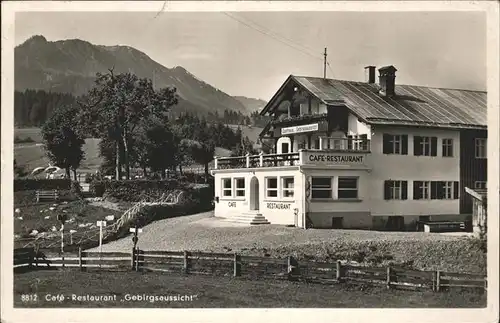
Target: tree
19, 171
203, 153
157, 147
116, 105
63, 142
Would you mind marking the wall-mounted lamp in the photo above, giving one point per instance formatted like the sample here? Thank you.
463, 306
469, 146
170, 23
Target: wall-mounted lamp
216, 199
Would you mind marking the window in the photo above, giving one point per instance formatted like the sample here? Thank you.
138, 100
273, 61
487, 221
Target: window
435, 190
448, 190
347, 188
239, 187
480, 185
395, 190
481, 148
226, 187
421, 190
424, 146
321, 187
316, 143
447, 147
271, 187
284, 148
395, 144
287, 185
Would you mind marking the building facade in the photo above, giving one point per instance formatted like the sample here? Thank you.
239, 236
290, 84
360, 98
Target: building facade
360, 155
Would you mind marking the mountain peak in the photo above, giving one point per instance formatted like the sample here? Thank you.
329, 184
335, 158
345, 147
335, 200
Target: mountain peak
36, 39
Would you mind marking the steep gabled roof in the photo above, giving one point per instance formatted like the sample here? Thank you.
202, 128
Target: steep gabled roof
412, 105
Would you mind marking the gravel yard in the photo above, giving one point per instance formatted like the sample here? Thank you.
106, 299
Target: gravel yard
203, 232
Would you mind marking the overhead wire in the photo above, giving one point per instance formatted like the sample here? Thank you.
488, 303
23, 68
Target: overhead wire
278, 37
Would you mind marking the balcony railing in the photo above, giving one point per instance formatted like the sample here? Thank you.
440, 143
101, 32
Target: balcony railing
261, 160
329, 157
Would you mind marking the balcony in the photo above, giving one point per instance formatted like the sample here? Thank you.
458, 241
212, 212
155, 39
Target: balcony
349, 155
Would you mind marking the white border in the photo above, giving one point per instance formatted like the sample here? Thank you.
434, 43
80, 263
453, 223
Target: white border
489, 314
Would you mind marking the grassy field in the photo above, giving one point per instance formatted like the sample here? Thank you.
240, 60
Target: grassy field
43, 218
219, 292
33, 133
417, 250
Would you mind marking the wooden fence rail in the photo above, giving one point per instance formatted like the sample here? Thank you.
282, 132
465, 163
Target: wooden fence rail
223, 264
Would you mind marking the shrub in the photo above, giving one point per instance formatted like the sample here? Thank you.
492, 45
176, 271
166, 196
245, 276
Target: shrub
76, 190
18, 140
27, 184
133, 190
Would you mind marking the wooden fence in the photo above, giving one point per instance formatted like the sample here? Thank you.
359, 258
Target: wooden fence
223, 264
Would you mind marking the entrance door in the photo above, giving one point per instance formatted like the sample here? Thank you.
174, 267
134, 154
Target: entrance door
254, 194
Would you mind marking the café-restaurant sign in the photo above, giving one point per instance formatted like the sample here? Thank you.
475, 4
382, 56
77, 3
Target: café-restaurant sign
300, 129
329, 159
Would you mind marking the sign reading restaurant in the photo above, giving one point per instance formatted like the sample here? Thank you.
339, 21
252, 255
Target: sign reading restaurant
335, 158
300, 129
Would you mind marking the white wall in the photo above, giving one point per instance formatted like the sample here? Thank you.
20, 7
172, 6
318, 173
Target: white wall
356, 127
410, 168
230, 207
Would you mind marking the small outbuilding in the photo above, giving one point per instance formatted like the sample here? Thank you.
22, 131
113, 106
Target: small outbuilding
479, 210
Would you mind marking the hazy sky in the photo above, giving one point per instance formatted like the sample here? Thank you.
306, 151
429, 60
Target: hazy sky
441, 49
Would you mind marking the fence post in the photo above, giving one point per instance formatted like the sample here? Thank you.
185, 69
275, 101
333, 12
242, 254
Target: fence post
236, 265
247, 159
388, 277
132, 259
261, 159
186, 262
438, 281
137, 259
338, 276
35, 256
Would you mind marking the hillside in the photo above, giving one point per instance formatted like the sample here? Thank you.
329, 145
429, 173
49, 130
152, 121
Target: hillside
250, 103
69, 66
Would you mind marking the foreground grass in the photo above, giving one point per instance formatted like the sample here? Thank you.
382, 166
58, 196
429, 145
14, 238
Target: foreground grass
219, 292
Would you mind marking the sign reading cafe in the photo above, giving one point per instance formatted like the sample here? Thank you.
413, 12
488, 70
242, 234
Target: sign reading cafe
326, 158
299, 129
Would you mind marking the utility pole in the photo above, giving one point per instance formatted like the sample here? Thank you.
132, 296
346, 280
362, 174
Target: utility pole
324, 65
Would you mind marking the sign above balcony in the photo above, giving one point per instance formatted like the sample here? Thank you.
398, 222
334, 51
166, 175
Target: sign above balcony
325, 158
300, 129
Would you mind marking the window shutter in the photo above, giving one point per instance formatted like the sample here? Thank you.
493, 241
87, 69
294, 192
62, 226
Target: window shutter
433, 146
417, 148
404, 190
440, 190
455, 190
417, 195
387, 148
387, 190
434, 190
404, 145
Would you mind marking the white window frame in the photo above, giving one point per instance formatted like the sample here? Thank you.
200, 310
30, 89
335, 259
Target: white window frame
322, 188
425, 187
287, 190
396, 189
227, 189
480, 185
425, 146
267, 189
239, 189
448, 190
396, 141
348, 189
447, 146
480, 148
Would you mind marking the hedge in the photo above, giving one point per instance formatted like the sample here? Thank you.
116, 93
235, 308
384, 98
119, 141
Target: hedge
29, 184
138, 190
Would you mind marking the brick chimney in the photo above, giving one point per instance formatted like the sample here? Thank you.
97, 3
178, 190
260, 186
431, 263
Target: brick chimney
370, 74
387, 80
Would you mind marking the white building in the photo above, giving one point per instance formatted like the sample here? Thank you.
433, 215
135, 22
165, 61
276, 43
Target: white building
360, 155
